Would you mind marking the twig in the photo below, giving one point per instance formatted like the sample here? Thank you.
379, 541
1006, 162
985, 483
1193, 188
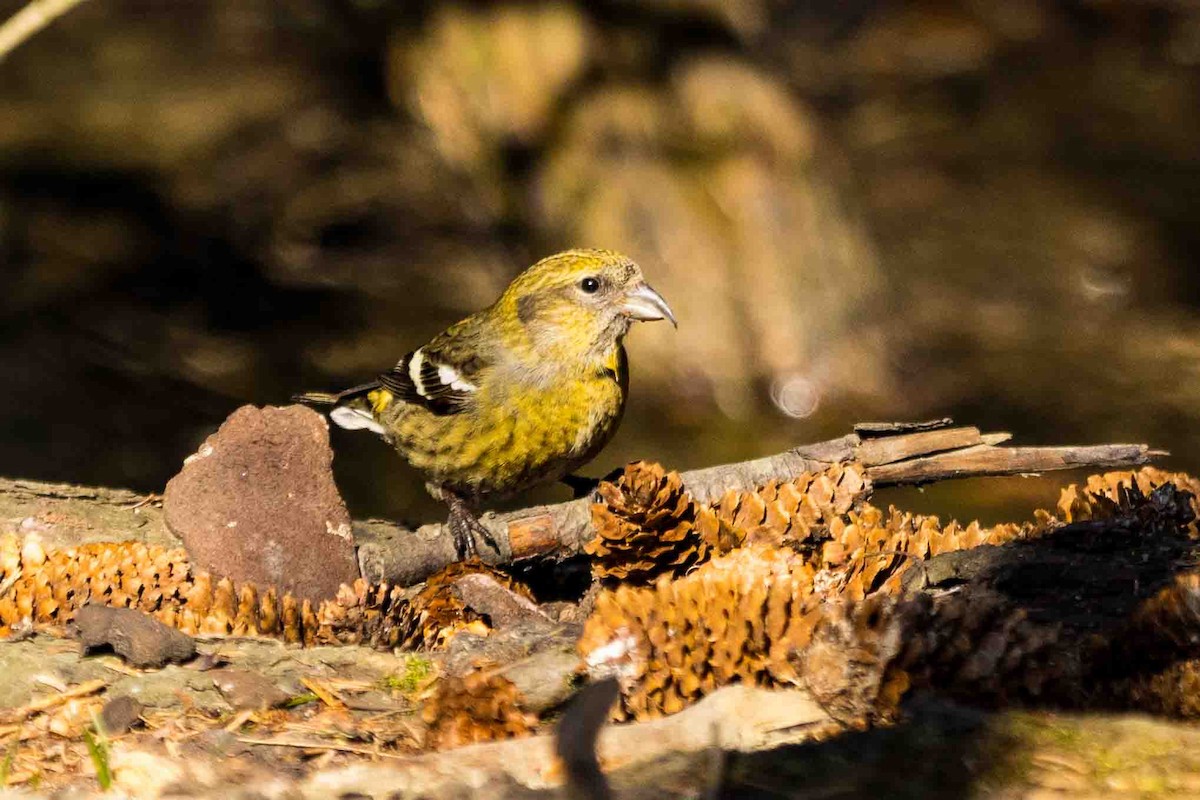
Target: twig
145, 501
716, 769
576, 737
29, 20
10, 581
327, 695
888, 453
117, 666
311, 745
238, 720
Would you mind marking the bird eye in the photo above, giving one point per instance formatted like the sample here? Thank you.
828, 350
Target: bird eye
590, 285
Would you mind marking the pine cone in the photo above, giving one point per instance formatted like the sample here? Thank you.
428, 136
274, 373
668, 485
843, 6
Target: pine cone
1174, 692
733, 619
788, 513
377, 615
477, 707
984, 649
47, 590
754, 616
1153, 663
865, 655
390, 617
1120, 493
1161, 630
868, 551
647, 525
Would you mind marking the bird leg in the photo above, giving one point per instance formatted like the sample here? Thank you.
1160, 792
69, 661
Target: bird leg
465, 526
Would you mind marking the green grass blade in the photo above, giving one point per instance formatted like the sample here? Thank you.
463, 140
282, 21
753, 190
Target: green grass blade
98, 749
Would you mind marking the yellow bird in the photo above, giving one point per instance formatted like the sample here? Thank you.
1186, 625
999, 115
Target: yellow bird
521, 393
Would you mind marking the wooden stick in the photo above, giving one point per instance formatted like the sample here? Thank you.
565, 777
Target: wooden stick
319, 745
985, 459
326, 695
239, 719
892, 454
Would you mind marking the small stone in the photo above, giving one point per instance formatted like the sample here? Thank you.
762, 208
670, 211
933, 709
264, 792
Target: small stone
120, 714
257, 502
139, 638
207, 661
245, 690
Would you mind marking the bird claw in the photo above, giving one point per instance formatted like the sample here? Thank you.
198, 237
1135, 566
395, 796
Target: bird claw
464, 542
464, 527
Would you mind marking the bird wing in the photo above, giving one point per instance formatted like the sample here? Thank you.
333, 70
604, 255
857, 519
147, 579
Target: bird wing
443, 376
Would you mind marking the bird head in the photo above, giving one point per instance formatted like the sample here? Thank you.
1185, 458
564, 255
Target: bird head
583, 301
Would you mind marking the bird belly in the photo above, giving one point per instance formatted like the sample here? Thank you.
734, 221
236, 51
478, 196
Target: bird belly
499, 449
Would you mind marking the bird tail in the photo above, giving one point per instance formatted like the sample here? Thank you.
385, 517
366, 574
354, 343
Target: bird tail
316, 398
335, 398
350, 409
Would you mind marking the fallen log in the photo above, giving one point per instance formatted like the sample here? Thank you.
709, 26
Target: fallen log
892, 454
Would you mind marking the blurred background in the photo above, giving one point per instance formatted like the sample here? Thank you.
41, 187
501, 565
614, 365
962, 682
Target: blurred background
858, 210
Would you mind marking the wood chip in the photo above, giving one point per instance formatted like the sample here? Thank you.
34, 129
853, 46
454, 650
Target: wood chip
239, 719
327, 695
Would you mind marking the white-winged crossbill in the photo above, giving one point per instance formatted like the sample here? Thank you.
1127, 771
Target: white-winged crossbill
521, 393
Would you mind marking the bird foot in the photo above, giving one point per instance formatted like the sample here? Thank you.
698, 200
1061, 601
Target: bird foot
465, 527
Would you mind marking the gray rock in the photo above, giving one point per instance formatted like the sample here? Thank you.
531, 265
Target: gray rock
120, 714
139, 638
258, 503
